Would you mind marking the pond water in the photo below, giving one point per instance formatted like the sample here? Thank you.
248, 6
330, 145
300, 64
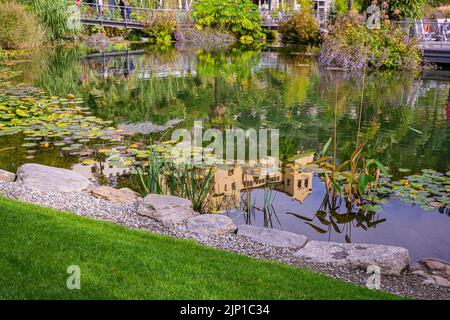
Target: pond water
404, 119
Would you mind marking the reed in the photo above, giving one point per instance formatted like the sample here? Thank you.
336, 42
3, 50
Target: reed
355, 179
162, 176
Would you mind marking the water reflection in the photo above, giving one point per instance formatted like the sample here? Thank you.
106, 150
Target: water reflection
335, 216
404, 120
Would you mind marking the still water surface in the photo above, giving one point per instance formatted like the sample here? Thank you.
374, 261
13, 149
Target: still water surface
404, 119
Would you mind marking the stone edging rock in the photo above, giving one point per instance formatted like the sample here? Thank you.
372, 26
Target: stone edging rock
6, 176
389, 259
434, 272
273, 237
45, 178
211, 224
168, 210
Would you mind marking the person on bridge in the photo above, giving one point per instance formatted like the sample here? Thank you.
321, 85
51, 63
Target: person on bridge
112, 5
99, 8
122, 9
125, 10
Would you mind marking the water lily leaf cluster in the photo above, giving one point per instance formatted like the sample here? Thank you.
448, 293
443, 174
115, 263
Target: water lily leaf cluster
365, 183
429, 190
52, 121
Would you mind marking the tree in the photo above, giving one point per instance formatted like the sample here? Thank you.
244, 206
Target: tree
407, 8
240, 17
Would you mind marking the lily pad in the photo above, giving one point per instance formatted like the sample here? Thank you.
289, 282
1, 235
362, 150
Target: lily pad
29, 145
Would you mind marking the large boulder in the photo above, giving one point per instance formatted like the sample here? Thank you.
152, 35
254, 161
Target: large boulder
45, 178
168, 210
6, 176
211, 224
391, 260
272, 237
123, 195
98, 42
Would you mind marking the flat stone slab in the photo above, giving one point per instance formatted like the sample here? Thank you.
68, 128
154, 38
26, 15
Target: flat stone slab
168, 210
6, 176
211, 224
435, 265
123, 195
390, 259
274, 237
436, 272
45, 178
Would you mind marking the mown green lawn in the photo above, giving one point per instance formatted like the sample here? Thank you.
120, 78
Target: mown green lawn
38, 244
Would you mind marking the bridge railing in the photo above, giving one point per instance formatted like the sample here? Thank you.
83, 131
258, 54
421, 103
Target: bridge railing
273, 17
131, 15
428, 33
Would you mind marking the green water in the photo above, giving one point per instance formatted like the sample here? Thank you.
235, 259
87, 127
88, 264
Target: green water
403, 118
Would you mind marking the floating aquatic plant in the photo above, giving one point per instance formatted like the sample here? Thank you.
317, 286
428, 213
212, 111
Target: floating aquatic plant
429, 190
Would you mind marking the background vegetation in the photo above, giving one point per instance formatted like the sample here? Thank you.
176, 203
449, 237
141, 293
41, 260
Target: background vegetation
351, 45
19, 29
302, 26
240, 17
53, 15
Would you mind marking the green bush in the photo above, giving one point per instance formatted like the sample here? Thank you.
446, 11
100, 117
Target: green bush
407, 8
351, 45
161, 27
340, 6
54, 16
240, 17
19, 29
300, 28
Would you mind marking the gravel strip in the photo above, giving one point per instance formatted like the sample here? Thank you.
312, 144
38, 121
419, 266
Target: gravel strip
84, 204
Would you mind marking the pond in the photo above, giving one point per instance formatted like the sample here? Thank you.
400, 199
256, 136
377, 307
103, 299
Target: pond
403, 118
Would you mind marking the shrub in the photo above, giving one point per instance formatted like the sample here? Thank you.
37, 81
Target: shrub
240, 17
438, 13
300, 28
391, 49
161, 27
54, 16
205, 39
407, 8
351, 45
340, 6
19, 29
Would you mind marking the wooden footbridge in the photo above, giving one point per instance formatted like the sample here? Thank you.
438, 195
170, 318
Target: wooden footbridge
129, 17
436, 52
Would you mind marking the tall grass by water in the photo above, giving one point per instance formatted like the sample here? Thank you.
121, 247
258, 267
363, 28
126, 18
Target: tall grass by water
187, 181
